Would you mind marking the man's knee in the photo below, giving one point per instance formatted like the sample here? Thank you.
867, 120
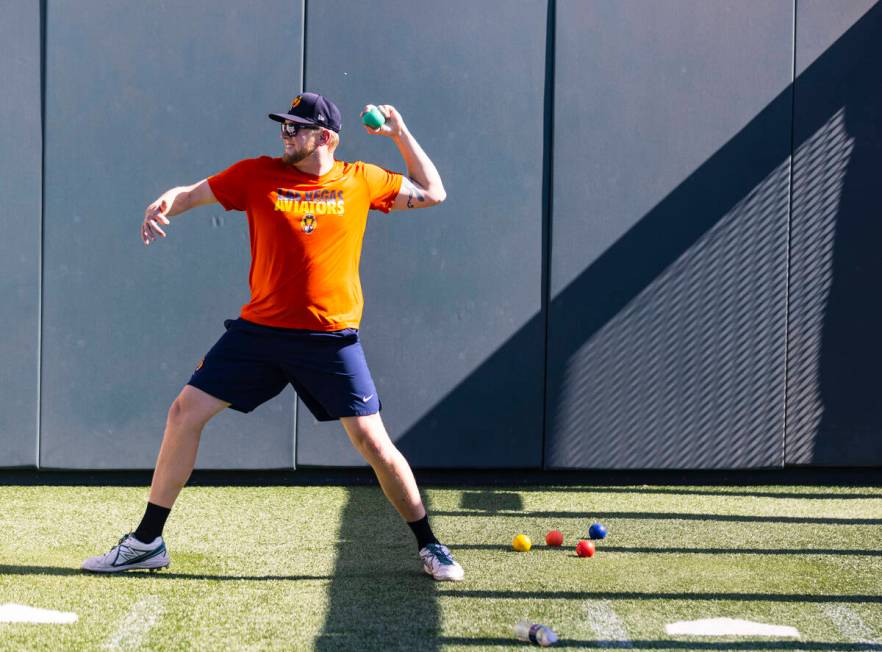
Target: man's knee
179, 416
370, 438
193, 408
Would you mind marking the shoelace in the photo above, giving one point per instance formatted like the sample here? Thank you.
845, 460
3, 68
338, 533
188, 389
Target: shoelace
440, 554
120, 542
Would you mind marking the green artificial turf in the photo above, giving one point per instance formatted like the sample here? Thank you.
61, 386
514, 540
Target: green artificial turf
331, 568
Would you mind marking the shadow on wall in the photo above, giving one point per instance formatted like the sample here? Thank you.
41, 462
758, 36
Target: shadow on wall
834, 411
668, 350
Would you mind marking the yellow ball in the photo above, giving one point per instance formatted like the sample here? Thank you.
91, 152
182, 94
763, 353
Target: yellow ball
521, 543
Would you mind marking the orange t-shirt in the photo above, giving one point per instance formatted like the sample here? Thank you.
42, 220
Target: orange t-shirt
306, 236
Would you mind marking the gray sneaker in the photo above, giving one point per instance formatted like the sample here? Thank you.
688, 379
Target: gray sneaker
440, 564
130, 554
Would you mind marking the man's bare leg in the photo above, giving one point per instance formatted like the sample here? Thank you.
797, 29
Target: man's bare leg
369, 436
189, 413
145, 547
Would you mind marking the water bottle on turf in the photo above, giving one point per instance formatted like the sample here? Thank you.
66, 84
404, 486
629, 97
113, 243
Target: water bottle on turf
535, 633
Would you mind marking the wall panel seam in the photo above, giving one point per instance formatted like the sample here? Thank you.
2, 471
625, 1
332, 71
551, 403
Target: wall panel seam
789, 236
303, 15
303, 12
547, 204
41, 240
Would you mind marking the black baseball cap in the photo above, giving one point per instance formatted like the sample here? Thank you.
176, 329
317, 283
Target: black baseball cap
311, 109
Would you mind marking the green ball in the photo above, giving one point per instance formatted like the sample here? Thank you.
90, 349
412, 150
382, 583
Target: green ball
373, 118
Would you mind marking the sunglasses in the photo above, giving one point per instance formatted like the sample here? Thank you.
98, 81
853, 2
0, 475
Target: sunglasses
290, 129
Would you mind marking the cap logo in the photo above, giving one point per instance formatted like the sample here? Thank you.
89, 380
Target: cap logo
320, 117
295, 102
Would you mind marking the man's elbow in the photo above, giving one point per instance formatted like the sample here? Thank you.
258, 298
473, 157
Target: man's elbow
436, 196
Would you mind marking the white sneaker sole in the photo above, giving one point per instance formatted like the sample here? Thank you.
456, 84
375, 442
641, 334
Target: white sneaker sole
458, 578
153, 567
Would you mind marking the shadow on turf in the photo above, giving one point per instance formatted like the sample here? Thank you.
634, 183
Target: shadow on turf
367, 576
722, 493
693, 551
680, 516
388, 602
646, 595
677, 645
164, 574
492, 501
748, 551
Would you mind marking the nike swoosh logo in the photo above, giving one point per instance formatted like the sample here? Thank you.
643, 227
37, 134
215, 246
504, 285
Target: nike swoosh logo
365, 399
136, 556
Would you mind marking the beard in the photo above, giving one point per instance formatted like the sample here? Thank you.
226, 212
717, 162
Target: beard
297, 155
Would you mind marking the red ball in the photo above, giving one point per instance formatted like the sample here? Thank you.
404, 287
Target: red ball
585, 548
554, 538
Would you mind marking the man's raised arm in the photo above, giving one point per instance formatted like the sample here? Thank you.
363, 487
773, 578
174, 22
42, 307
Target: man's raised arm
173, 202
422, 187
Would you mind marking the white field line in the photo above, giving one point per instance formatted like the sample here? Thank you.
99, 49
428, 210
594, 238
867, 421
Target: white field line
140, 619
19, 613
849, 623
608, 628
728, 627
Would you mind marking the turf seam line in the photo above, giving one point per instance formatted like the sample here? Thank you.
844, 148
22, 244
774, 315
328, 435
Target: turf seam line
849, 623
136, 624
608, 627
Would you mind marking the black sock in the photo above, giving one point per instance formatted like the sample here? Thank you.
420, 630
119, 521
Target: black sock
152, 523
423, 532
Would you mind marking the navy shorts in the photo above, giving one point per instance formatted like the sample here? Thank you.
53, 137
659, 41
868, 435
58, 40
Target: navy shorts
252, 363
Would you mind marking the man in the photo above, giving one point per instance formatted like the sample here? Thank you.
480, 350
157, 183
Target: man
306, 216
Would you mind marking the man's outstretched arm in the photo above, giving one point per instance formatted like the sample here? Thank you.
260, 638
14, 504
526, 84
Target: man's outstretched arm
173, 202
422, 186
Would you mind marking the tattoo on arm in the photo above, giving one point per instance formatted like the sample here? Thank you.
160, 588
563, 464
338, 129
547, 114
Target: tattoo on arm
414, 192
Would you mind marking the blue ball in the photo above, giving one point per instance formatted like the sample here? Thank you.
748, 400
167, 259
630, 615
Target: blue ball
597, 531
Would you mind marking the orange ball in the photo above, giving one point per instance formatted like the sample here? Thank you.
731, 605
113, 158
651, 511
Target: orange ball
585, 548
554, 538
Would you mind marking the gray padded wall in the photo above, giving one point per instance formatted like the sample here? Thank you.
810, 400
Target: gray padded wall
669, 234
20, 205
834, 413
141, 97
453, 328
